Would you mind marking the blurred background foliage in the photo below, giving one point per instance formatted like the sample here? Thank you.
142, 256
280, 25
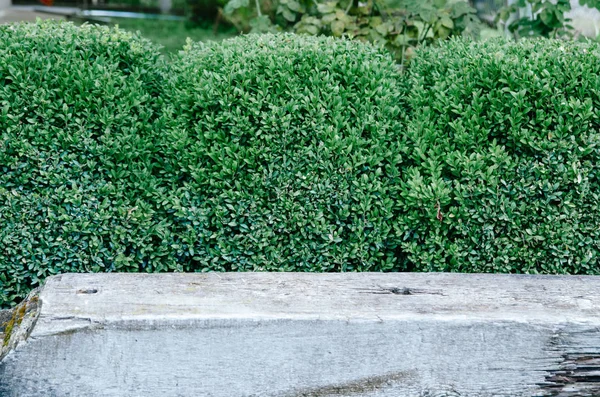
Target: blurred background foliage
398, 25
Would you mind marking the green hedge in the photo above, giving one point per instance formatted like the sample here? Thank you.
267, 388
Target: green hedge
269, 153
78, 110
504, 140
284, 155
292, 153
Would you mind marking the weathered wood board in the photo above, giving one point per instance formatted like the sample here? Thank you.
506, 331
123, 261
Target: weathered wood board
301, 335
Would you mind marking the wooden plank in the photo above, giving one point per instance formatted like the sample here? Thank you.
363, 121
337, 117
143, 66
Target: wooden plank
539, 299
298, 334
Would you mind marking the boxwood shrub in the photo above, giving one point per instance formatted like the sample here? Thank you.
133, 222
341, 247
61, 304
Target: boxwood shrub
503, 160
284, 155
78, 110
292, 153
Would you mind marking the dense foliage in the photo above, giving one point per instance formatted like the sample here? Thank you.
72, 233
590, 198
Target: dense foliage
504, 143
77, 112
271, 153
294, 153
284, 155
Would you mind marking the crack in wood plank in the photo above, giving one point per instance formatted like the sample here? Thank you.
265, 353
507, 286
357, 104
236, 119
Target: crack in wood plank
398, 291
578, 376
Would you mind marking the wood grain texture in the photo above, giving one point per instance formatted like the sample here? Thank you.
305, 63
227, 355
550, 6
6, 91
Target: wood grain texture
365, 296
300, 335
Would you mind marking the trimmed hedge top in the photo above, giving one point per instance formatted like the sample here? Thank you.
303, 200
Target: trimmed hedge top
504, 140
284, 154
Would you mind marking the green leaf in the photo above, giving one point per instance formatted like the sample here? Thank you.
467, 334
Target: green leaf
461, 8
402, 40
428, 16
287, 14
327, 7
337, 27
547, 16
447, 22
262, 24
328, 18
384, 28
307, 28
233, 5
295, 6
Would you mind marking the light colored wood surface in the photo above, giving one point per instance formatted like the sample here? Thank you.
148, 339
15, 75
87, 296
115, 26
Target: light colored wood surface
348, 296
298, 334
